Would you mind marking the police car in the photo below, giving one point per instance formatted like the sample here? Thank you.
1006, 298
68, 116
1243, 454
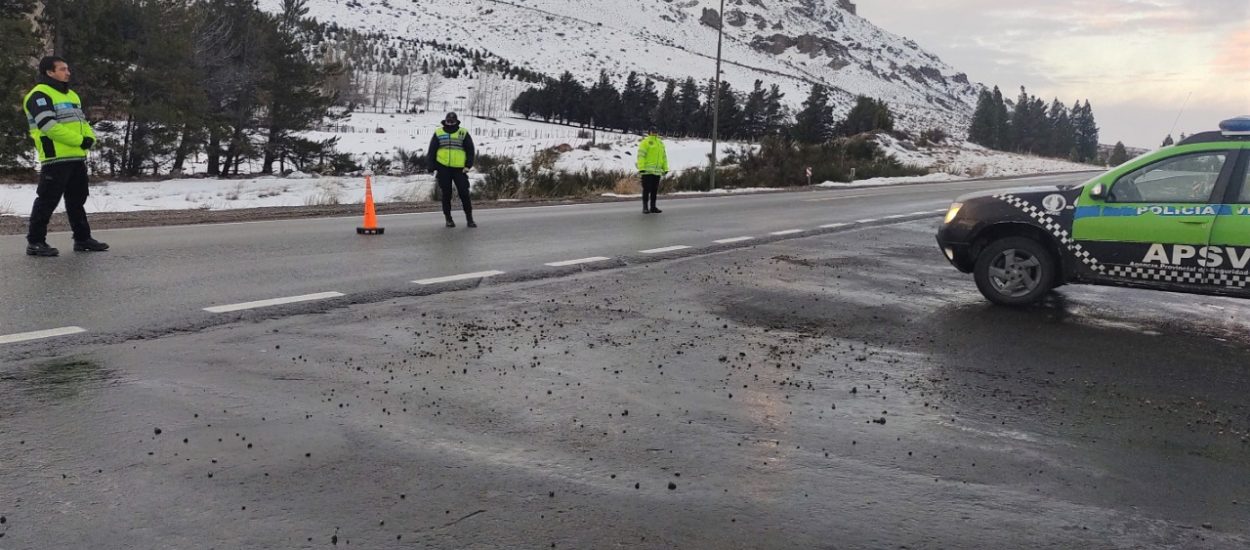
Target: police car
1176, 219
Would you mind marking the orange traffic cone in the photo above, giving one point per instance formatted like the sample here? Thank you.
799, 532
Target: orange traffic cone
371, 217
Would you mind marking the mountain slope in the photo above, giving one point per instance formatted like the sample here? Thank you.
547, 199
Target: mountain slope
792, 43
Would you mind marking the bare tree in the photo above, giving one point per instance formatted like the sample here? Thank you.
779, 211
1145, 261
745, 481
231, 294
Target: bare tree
431, 83
488, 81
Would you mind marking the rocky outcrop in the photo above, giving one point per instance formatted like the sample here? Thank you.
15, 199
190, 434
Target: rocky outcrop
710, 18
810, 44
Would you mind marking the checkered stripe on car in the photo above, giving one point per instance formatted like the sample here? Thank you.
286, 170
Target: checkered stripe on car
1055, 228
1152, 274
1128, 272
1239, 281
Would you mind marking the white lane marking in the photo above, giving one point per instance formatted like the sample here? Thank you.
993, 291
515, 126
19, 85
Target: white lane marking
842, 197
734, 240
461, 277
896, 216
40, 334
665, 249
567, 263
834, 225
786, 232
274, 302
869, 220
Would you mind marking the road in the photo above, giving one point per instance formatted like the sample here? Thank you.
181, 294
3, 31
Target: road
156, 279
846, 389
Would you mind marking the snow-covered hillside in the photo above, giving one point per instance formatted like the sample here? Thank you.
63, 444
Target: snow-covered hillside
793, 43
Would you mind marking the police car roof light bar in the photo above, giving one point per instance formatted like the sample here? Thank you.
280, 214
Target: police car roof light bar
1236, 127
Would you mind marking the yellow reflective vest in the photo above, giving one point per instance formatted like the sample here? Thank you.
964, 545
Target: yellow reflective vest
652, 158
57, 124
451, 147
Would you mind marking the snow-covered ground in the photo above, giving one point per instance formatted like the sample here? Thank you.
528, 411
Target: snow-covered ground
515, 138
969, 160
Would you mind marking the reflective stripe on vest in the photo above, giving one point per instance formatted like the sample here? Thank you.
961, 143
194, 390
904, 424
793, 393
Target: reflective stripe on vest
451, 148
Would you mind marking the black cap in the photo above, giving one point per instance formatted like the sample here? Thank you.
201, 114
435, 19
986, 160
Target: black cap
451, 118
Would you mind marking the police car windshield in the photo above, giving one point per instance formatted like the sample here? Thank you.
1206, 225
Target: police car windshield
1099, 176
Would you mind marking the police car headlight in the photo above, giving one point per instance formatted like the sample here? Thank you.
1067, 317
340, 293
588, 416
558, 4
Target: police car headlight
954, 211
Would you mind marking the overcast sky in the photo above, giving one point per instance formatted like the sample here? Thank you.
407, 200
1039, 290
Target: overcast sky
1137, 61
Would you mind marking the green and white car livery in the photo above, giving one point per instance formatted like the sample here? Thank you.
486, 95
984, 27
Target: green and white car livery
1174, 219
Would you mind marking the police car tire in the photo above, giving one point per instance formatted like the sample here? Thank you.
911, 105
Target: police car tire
1046, 275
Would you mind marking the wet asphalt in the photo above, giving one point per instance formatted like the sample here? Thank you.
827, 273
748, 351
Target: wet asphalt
161, 277
845, 390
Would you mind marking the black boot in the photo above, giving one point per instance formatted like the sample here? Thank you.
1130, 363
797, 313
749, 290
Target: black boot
90, 245
472, 223
655, 210
42, 250
646, 209
450, 222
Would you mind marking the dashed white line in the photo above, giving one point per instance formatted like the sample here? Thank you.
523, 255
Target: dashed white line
786, 232
40, 334
274, 302
869, 220
844, 197
834, 225
567, 263
896, 216
461, 277
665, 249
734, 240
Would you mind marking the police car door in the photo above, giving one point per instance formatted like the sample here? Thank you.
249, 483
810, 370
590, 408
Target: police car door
1229, 263
1152, 226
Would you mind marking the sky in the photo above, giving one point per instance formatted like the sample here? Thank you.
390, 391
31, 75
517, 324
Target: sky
1139, 62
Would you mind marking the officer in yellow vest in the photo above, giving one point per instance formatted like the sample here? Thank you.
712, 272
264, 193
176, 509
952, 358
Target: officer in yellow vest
652, 165
451, 153
62, 138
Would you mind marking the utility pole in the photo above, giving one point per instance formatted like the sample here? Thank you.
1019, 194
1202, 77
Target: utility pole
720, 36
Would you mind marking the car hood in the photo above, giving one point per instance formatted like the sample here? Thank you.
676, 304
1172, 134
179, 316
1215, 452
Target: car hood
1018, 191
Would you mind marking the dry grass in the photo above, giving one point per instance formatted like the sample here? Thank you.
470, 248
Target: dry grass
628, 186
326, 195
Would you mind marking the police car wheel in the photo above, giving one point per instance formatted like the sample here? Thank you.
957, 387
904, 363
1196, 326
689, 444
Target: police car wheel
1015, 271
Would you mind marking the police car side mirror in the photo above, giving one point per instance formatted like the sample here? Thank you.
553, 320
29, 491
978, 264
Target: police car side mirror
1098, 192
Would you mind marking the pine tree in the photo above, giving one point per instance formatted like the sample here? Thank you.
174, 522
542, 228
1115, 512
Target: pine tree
1002, 122
814, 124
1119, 155
296, 99
776, 113
753, 112
667, 112
1041, 126
1062, 135
17, 46
730, 115
648, 99
569, 97
981, 131
525, 104
1086, 133
631, 103
605, 102
1023, 134
690, 108
868, 115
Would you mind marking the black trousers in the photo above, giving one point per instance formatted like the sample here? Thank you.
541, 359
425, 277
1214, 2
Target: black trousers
445, 177
650, 190
64, 179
